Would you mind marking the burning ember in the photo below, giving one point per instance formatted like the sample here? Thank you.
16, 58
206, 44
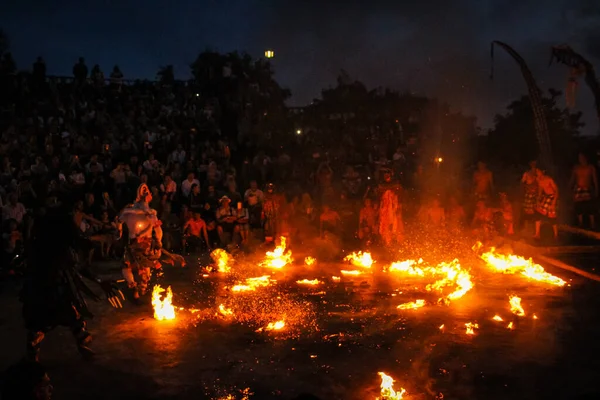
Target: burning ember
163, 309
245, 395
497, 318
510, 326
471, 328
360, 259
387, 388
309, 261
336, 278
252, 284
225, 311
515, 306
309, 282
441, 327
350, 273
512, 264
273, 326
412, 305
222, 259
278, 258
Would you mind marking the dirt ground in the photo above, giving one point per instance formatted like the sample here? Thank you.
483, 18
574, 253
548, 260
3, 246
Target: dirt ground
338, 336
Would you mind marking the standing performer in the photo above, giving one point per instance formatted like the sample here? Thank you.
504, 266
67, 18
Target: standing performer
391, 227
585, 189
145, 242
53, 290
483, 180
547, 203
530, 188
270, 213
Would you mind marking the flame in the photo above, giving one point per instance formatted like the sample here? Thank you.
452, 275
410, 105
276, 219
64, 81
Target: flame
360, 259
278, 258
441, 327
309, 261
222, 259
309, 282
251, 284
225, 311
515, 306
387, 388
412, 305
452, 274
512, 264
245, 395
471, 328
351, 272
273, 326
510, 326
497, 318
336, 278
535, 316
163, 309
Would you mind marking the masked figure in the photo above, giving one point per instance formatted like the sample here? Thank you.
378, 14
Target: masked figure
145, 242
270, 213
391, 227
54, 288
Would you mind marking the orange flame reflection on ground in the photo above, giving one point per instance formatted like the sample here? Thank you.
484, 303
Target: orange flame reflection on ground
360, 259
471, 328
163, 309
387, 388
515, 306
513, 264
222, 259
413, 305
309, 282
278, 258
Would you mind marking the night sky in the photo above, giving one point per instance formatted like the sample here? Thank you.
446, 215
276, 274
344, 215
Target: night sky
436, 47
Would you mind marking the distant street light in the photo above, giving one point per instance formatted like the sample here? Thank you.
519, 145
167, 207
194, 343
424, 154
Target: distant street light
269, 53
299, 132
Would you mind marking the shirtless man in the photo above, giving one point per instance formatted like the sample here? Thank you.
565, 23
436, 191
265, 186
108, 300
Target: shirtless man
455, 214
506, 209
367, 220
329, 221
530, 192
483, 221
547, 203
195, 229
585, 189
434, 214
483, 181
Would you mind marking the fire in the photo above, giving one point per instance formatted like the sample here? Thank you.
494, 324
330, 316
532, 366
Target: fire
309, 282
225, 311
535, 316
510, 326
351, 272
512, 264
336, 278
360, 259
245, 395
452, 274
515, 306
251, 284
441, 327
163, 309
309, 261
273, 326
471, 328
222, 259
387, 388
278, 258
408, 267
412, 305
497, 318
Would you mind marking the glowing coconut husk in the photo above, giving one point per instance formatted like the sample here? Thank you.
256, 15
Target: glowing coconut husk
163, 309
222, 259
279, 257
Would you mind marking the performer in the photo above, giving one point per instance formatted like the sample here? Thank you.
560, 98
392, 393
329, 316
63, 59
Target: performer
547, 203
270, 213
53, 290
483, 181
585, 189
144, 250
391, 228
530, 192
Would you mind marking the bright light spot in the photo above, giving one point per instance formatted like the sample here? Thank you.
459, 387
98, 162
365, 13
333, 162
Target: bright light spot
269, 53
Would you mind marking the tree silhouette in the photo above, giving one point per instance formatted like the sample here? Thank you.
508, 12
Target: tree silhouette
512, 141
166, 75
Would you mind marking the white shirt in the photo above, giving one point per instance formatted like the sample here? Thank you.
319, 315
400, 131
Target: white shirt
186, 186
253, 197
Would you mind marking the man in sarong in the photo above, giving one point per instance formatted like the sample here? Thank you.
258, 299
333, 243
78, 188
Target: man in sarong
391, 227
530, 192
585, 190
547, 203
